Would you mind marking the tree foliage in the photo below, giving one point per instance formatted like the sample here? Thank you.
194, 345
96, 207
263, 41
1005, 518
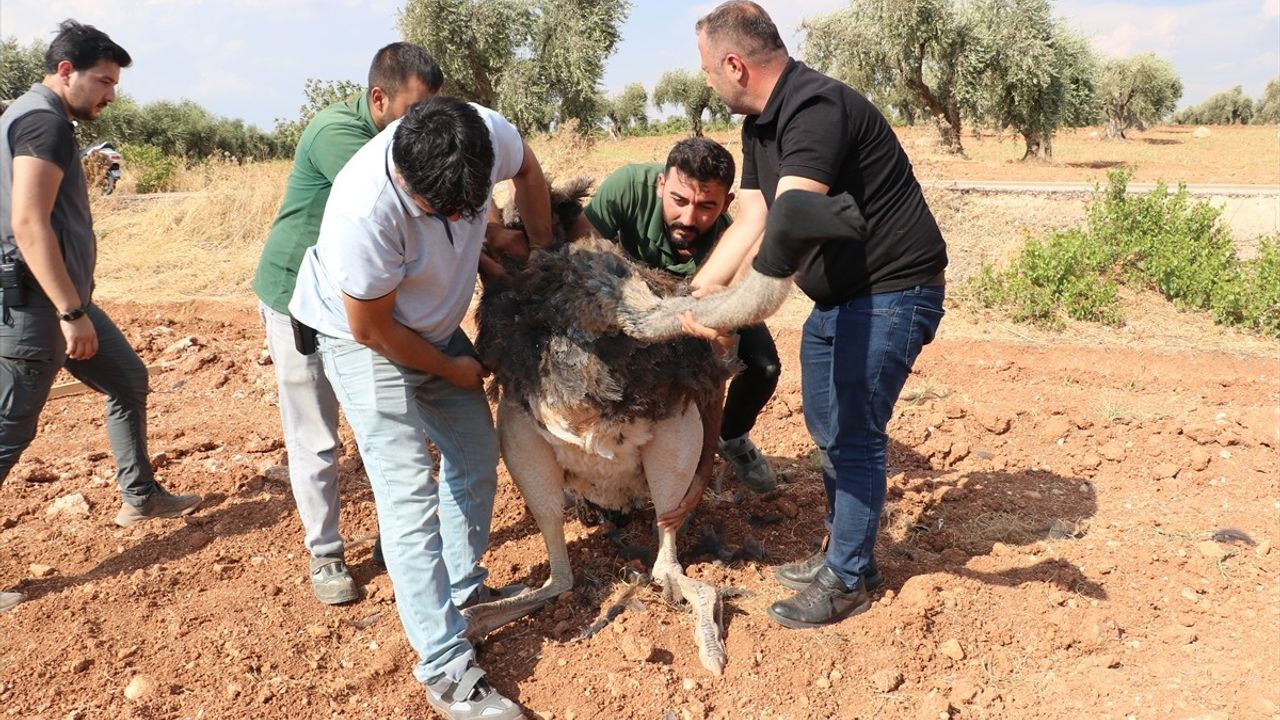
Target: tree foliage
1036, 74
1137, 91
320, 94
898, 49
20, 66
537, 61
689, 92
1230, 107
626, 110
1267, 110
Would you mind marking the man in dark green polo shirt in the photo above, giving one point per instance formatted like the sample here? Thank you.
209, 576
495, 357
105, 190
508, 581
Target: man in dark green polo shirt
401, 75
669, 217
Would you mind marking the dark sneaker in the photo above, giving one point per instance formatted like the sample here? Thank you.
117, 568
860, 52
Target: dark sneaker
332, 582
799, 574
751, 467
159, 504
8, 600
470, 698
824, 601
485, 594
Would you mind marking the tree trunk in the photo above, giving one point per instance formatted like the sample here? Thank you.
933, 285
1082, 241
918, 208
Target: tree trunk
909, 113
1038, 148
947, 116
695, 125
1115, 129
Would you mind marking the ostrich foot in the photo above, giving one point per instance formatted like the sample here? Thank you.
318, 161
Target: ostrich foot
485, 618
708, 611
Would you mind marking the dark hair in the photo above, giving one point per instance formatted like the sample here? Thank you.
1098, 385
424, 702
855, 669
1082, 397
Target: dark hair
745, 26
83, 46
703, 160
443, 151
397, 62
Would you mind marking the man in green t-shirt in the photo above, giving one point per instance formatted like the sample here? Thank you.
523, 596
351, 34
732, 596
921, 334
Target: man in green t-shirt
401, 74
669, 217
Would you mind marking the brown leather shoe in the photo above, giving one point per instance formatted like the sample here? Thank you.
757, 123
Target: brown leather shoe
159, 504
824, 601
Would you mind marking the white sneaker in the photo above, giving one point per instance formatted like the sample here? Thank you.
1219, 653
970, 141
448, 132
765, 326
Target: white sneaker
470, 698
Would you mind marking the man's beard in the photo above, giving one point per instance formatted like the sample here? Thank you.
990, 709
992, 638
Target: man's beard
691, 245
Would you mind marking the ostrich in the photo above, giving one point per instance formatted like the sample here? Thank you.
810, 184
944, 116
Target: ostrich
583, 406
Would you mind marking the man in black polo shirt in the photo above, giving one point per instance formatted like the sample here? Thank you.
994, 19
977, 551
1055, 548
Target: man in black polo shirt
827, 195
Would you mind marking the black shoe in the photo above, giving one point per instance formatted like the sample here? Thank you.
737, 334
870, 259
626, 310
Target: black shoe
378, 558
799, 574
824, 601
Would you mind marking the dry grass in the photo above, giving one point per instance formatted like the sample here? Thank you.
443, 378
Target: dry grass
200, 243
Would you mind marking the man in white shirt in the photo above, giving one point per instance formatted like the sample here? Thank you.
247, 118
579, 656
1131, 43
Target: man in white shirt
385, 288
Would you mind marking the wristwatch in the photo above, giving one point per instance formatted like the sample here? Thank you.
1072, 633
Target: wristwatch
73, 315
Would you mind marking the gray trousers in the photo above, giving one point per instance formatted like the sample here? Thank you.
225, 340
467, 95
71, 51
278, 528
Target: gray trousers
32, 349
309, 415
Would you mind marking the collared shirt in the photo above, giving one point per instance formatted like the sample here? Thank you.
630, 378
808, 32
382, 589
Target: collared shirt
329, 141
374, 240
627, 209
818, 128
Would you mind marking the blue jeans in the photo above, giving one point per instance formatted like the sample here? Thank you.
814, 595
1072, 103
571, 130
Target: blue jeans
432, 540
855, 359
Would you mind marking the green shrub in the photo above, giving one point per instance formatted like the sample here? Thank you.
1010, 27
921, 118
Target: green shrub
153, 170
1160, 240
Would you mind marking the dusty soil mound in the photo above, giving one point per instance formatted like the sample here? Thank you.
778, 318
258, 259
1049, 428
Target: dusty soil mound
1048, 552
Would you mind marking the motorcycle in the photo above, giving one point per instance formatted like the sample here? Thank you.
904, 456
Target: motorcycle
105, 153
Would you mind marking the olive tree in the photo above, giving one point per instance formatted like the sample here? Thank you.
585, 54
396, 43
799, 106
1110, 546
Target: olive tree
1230, 107
900, 48
320, 94
536, 61
1136, 92
1036, 75
20, 66
1267, 110
627, 109
689, 92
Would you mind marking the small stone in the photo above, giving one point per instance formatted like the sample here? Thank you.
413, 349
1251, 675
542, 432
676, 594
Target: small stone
963, 691
234, 690
1113, 451
635, 648
318, 631
139, 687
81, 665
40, 571
70, 505
1263, 549
886, 680
1198, 459
688, 684
951, 648
934, 707
1216, 552
823, 682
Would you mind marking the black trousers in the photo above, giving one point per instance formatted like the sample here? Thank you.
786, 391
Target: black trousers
751, 389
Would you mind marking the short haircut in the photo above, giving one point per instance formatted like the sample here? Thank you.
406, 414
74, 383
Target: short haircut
397, 62
744, 27
444, 153
702, 160
83, 46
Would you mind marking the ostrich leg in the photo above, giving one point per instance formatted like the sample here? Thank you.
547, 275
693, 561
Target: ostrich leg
669, 462
538, 474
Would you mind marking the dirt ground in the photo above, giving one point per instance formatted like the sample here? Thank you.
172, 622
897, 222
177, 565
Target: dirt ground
1048, 548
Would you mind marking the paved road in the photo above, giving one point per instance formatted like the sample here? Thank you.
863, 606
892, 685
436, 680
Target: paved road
1080, 188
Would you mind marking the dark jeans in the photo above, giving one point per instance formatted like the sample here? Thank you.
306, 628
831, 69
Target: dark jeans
855, 359
751, 389
32, 350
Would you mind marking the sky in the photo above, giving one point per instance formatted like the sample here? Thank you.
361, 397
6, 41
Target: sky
250, 58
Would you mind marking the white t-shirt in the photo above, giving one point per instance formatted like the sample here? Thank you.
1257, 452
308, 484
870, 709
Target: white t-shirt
375, 239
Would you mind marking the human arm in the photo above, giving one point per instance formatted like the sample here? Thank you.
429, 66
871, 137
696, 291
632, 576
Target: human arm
35, 188
533, 201
373, 325
737, 245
